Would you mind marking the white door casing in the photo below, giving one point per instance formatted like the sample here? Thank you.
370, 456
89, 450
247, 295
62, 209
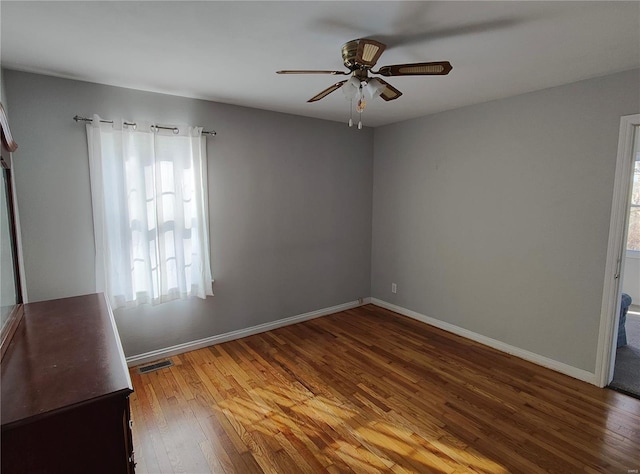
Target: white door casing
610, 311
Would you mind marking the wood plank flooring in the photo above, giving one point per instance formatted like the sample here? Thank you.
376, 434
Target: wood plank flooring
367, 390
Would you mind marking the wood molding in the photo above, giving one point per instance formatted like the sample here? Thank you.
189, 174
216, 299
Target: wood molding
7, 139
15, 316
9, 328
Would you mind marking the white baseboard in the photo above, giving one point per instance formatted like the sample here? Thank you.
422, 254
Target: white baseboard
566, 369
563, 368
240, 333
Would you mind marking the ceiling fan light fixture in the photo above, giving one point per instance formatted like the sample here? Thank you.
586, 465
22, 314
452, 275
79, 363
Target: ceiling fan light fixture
351, 87
374, 88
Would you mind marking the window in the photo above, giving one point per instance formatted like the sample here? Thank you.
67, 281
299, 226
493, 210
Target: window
633, 235
149, 198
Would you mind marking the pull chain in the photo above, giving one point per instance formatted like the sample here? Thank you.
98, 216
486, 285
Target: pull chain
350, 112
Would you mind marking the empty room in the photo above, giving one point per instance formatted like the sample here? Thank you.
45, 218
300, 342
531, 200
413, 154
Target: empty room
317, 236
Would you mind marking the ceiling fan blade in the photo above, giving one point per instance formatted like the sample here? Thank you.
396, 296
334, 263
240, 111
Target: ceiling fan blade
312, 72
327, 91
390, 92
439, 68
362, 52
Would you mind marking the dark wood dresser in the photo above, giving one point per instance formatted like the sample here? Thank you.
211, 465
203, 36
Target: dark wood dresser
65, 391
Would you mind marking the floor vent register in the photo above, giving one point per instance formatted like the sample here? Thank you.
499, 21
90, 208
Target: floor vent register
155, 366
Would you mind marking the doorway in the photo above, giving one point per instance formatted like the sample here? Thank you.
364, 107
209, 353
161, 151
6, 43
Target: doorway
626, 373
611, 319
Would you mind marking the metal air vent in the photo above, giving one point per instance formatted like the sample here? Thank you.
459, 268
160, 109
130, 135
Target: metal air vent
155, 366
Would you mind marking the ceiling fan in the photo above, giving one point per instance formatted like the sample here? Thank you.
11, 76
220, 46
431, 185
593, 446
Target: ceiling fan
359, 56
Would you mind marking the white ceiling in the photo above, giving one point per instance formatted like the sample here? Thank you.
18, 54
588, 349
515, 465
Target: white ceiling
229, 51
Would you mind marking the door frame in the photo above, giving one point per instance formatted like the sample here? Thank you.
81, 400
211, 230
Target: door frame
616, 251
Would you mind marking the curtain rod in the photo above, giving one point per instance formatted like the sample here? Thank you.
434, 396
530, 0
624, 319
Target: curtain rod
77, 118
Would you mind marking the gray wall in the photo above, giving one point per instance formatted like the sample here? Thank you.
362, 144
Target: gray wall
290, 207
495, 217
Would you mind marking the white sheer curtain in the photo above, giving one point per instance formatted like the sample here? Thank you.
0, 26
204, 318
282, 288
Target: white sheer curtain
149, 198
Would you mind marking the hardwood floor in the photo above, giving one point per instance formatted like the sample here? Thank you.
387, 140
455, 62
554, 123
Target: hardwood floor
367, 390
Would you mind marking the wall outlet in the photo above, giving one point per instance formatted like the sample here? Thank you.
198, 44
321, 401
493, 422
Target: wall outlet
360, 300
394, 288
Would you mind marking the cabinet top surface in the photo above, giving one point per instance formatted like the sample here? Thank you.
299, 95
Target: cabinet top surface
65, 352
